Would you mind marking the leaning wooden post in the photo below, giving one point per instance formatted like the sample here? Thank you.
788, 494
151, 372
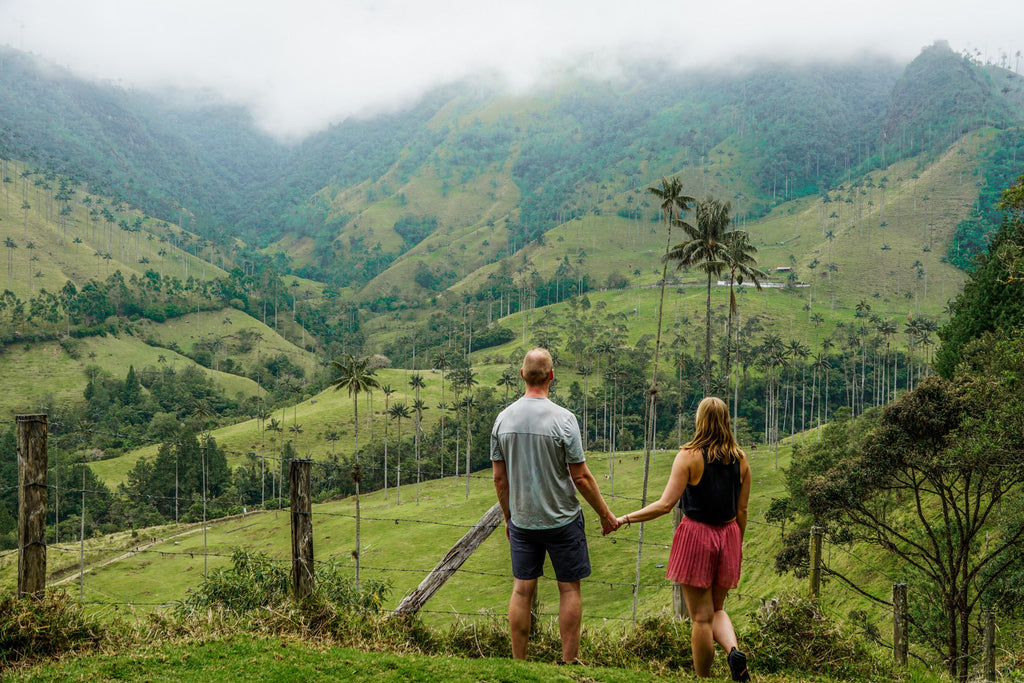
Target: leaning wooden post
899, 623
302, 528
31, 505
451, 562
816, 533
678, 604
989, 648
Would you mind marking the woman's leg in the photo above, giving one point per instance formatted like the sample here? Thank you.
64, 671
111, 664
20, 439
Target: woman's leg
721, 624
702, 614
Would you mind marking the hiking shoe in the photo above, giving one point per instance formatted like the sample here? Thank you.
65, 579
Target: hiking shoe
738, 665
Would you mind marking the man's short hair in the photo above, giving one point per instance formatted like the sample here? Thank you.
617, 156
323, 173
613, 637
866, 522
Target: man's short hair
537, 366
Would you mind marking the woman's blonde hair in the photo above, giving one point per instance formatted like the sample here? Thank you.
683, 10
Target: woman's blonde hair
712, 432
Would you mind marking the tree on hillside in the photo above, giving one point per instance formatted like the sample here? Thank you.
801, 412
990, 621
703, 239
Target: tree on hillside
927, 483
388, 391
440, 361
416, 383
11, 246
418, 407
399, 411
993, 297
739, 259
355, 376
704, 249
509, 379
468, 381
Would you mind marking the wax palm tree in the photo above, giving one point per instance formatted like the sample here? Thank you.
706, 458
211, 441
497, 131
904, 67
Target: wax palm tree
444, 408
387, 390
822, 363
673, 201
400, 412
509, 378
355, 375
739, 259
418, 406
416, 383
11, 246
202, 412
704, 249
440, 361
468, 402
798, 353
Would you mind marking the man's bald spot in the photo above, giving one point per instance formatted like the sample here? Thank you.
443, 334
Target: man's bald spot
537, 366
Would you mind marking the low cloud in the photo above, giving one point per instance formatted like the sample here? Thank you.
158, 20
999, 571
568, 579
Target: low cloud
300, 65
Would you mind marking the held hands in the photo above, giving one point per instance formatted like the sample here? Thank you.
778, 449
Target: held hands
609, 524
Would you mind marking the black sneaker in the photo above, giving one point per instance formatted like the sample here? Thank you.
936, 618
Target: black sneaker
738, 665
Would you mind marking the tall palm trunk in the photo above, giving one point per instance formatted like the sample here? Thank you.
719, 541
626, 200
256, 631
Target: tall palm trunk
707, 342
356, 477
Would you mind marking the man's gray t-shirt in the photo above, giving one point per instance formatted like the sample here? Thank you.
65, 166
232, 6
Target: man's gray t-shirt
538, 439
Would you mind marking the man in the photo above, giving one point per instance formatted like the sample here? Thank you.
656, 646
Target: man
538, 462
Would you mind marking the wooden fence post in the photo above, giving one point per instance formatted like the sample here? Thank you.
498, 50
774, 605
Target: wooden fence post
451, 562
302, 528
31, 505
678, 604
899, 623
989, 649
816, 534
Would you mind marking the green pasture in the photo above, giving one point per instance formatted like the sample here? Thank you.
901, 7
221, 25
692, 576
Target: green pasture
402, 542
43, 374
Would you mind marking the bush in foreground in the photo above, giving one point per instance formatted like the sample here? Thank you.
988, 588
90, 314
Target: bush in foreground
31, 627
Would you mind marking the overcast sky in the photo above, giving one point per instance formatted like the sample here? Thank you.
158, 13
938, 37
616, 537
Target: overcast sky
302, 64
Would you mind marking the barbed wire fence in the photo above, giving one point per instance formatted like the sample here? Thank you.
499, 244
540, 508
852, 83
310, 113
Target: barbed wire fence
33, 487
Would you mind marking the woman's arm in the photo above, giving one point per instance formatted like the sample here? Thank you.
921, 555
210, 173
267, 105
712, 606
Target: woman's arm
677, 481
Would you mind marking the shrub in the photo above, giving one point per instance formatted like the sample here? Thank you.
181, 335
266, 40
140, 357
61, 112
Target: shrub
793, 635
254, 581
42, 627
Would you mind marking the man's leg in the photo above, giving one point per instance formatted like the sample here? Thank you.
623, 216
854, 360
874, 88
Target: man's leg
570, 616
519, 615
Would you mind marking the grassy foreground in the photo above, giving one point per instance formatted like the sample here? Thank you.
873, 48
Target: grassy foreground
246, 658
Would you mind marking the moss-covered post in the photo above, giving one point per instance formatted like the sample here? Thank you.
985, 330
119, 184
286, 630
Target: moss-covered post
302, 528
899, 623
989, 648
31, 505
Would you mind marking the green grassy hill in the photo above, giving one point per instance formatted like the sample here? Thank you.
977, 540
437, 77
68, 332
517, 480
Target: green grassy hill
85, 236
56, 233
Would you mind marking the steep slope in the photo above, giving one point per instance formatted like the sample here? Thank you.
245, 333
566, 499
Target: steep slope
160, 153
942, 95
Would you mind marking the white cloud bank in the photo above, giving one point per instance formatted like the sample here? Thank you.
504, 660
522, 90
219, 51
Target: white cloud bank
302, 64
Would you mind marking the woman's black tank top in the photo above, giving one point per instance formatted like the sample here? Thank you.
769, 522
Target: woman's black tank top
714, 498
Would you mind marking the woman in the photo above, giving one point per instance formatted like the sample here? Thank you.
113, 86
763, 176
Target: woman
710, 481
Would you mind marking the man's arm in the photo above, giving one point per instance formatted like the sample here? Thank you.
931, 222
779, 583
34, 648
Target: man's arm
501, 488
587, 486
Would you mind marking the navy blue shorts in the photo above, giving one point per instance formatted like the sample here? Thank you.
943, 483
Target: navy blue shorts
565, 545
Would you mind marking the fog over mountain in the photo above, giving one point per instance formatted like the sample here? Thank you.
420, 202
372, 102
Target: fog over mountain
303, 64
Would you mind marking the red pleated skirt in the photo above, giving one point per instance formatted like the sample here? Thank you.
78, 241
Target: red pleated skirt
705, 555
